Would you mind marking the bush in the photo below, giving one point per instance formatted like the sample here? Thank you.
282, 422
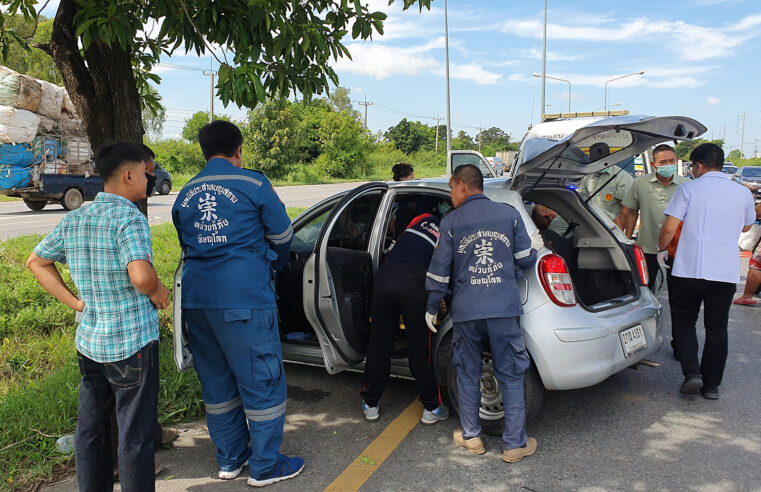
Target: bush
178, 156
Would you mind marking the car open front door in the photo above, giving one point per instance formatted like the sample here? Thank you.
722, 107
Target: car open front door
338, 277
457, 158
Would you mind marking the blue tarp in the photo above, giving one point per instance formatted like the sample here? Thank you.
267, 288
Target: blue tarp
18, 155
15, 177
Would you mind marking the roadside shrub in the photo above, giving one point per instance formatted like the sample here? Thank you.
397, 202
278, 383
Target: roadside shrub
178, 156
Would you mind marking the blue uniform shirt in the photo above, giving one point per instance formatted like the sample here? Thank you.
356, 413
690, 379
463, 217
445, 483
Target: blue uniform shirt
481, 242
234, 230
417, 242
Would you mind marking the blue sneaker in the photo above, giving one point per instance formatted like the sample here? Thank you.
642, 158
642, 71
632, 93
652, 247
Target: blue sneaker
432, 416
284, 469
371, 413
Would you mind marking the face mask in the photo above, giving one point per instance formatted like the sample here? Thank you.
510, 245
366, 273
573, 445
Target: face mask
605, 170
443, 207
151, 184
667, 171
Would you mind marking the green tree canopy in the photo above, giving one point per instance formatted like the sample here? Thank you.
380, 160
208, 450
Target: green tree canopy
105, 53
196, 122
411, 136
33, 61
683, 149
495, 138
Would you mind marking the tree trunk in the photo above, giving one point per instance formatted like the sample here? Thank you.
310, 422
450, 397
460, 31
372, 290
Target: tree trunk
101, 85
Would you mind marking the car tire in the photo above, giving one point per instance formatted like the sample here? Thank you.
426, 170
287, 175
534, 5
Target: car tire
72, 199
165, 187
492, 414
35, 204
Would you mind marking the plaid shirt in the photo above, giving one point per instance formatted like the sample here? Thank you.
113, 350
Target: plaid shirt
98, 242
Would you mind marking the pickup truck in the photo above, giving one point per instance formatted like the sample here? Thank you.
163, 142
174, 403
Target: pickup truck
70, 190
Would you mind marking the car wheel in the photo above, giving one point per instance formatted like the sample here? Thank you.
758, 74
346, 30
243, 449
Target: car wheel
35, 204
72, 199
165, 187
492, 411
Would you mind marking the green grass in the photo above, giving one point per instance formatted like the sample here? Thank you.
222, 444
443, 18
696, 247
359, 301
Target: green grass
6, 198
39, 378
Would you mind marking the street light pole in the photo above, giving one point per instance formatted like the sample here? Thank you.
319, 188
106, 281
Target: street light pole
544, 59
560, 80
605, 86
446, 50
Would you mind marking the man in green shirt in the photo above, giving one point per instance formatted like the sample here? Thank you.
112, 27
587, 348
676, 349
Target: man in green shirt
611, 196
648, 197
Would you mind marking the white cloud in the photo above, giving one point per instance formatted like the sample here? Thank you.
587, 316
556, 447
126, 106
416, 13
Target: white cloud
689, 41
712, 101
552, 56
382, 61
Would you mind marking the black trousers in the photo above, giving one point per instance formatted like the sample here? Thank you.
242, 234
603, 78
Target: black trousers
716, 298
399, 289
652, 270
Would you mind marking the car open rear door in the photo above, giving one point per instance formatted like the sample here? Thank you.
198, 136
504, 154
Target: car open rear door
596, 146
338, 277
456, 158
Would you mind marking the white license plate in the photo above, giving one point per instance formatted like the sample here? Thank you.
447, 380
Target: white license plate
633, 340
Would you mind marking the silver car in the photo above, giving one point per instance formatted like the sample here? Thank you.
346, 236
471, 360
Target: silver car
587, 311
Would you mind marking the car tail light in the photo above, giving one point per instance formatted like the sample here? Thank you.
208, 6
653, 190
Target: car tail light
556, 280
641, 265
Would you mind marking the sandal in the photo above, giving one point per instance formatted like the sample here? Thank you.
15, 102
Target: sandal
741, 301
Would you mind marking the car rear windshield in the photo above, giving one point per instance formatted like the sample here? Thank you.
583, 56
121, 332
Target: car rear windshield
754, 172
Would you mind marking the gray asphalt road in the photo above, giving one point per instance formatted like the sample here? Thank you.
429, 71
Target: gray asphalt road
16, 219
631, 432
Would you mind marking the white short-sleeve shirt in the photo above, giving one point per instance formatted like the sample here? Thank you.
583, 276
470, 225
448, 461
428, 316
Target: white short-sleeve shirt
714, 211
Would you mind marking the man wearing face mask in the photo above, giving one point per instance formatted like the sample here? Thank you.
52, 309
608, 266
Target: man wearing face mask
648, 196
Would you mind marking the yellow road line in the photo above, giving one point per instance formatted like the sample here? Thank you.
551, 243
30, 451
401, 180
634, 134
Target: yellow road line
373, 456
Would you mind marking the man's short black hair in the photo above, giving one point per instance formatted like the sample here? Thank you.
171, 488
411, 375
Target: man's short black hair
113, 155
708, 154
470, 175
662, 148
219, 138
147, 151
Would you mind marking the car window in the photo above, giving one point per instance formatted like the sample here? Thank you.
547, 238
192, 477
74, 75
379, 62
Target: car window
462, 159
598, 146
751, 172
305, 237
352, 228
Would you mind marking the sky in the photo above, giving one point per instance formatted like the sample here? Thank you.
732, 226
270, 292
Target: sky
700, 59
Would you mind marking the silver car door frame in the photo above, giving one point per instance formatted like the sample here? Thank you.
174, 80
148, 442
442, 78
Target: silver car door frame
476, 156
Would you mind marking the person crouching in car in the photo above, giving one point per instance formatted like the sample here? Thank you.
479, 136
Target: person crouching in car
399, 289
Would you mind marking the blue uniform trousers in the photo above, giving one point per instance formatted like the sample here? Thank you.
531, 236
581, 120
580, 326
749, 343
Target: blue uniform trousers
505, 339
239, 361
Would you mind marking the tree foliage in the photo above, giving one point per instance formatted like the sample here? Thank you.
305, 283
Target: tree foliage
32, 61
105, 52
683, 149
411, 136
194, 124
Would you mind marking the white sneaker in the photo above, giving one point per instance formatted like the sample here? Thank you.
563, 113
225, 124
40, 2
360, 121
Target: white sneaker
435, 415
371, 413
229, 475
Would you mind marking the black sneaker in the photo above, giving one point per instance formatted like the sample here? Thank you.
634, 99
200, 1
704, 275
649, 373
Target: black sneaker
691, 385
709, 393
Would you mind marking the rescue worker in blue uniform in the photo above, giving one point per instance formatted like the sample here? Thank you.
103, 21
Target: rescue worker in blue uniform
234, 231
399, 289
481, 244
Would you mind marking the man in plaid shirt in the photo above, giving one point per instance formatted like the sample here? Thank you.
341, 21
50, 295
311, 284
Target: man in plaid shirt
107, 246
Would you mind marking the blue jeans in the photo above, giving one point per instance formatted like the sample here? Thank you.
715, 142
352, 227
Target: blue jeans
132, 385
239, 362
504, 338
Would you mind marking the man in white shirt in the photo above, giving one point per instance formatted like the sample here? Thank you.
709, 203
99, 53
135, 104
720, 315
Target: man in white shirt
713, 211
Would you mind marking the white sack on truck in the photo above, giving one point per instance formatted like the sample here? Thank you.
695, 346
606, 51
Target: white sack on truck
19, 91
77, 150
17, 125
52, 100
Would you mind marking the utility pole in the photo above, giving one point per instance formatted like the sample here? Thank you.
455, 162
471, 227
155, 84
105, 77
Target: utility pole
365, 104
755, 148
742, 136
211, 94
446, 74
724, 131
544, 62
480, 129
438, 119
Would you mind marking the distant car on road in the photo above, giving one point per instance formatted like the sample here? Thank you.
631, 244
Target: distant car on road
750, 177
729, 168
163, 181
497, 164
